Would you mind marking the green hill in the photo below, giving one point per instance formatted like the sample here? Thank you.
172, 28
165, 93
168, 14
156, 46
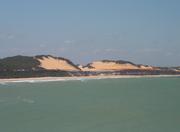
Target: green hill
19, 62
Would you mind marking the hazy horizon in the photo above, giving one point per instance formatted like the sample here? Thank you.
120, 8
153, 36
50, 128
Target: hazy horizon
144, 32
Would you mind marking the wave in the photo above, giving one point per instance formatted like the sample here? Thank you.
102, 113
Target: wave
3, 83
49, 80
82, 79
44, 80
29, 101
26, 100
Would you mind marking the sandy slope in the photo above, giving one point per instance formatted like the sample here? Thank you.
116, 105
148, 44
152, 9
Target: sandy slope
109, 66
51, 63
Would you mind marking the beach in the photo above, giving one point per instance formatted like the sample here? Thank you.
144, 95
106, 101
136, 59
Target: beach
81, 78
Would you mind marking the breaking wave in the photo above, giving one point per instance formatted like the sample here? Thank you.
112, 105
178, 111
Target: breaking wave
3, 83
26, 100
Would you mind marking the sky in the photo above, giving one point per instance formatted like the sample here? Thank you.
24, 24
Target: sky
141, 31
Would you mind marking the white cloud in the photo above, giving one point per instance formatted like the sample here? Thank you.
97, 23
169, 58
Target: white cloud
111, 50
61, 49
69, 41
42, 45
10, 36
149, 50
100, 51
169, 54
6, 36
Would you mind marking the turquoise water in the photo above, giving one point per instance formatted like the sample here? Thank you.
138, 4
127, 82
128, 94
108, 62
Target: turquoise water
107, 105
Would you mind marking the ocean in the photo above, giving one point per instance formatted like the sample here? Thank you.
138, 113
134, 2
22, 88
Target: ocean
102, 105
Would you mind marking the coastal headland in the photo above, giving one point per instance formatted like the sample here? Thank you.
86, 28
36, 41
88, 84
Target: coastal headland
42, 66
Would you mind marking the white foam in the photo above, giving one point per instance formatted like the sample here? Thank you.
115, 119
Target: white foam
29, 101
26, 100
82, 79
3, 83
47, 80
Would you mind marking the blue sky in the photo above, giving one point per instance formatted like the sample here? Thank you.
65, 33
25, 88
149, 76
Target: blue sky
142, 31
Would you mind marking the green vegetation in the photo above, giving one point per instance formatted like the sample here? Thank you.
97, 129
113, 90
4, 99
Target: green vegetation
118, 62
19, 63
26, 74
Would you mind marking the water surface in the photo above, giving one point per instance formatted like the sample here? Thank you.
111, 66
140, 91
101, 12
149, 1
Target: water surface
107, 105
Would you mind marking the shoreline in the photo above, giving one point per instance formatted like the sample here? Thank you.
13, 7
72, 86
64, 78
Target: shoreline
80, 78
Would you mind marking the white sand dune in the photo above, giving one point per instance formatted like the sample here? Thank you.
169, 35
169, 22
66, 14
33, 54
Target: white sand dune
113, 66
51, 63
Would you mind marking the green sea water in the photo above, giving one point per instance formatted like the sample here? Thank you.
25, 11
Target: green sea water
107, 105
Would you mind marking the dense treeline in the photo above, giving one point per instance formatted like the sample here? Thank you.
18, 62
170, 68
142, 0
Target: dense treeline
19, 63
26, 74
